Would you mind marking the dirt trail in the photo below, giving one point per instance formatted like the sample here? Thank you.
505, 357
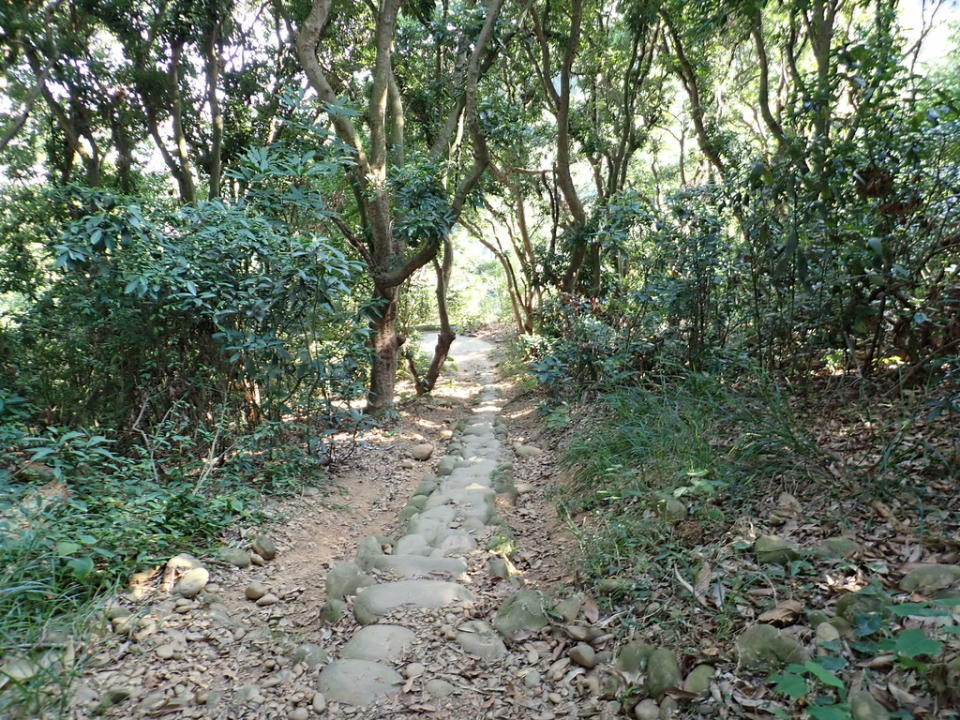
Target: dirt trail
424, 616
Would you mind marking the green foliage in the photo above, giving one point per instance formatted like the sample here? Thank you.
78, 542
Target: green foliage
822, 682
671, 441
423, 208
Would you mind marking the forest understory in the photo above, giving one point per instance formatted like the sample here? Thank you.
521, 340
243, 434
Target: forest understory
480, 358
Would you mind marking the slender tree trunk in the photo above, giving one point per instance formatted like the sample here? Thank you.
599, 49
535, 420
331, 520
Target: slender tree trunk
213, 66
188, 191
447, 336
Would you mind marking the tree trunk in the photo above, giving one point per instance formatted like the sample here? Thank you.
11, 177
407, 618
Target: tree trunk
386, 352
447, 336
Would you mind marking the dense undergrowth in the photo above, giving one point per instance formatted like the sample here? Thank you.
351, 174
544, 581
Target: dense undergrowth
673, 473
80, 515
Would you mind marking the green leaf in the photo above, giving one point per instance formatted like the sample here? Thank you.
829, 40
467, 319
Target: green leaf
81, 567
919, 610
789, 684
823, 675
66, 548
913, 643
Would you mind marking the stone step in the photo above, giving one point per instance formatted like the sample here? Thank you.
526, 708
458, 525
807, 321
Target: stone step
375, 601
457, 542
413, 544
358, 682
418, 566
379, 642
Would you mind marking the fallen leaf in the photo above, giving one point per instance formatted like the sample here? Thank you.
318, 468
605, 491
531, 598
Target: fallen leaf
783, 614
590, 610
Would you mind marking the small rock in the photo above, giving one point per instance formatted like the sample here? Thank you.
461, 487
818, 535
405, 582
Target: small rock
319, 703
165, 652
235, 556
300, 713
414, 670
647, 710
583, 655
668, 708
19, 669
368, 552
123, 624
477, 638
663, 672
447, 465
115, 695
313, 656
673, 510
438, 689
497, 568
263, 546
863, 602
774, 550
532, 679
249, 693
423, 451
524, 610
634, 655
615, 586
192, 582
257, 560
114, 612
764, 645
826, 633
267, 600
333, 610
346, 578
255, 590
528, 451
863, 706
928, 579
698, 681
569, 608
838, 547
